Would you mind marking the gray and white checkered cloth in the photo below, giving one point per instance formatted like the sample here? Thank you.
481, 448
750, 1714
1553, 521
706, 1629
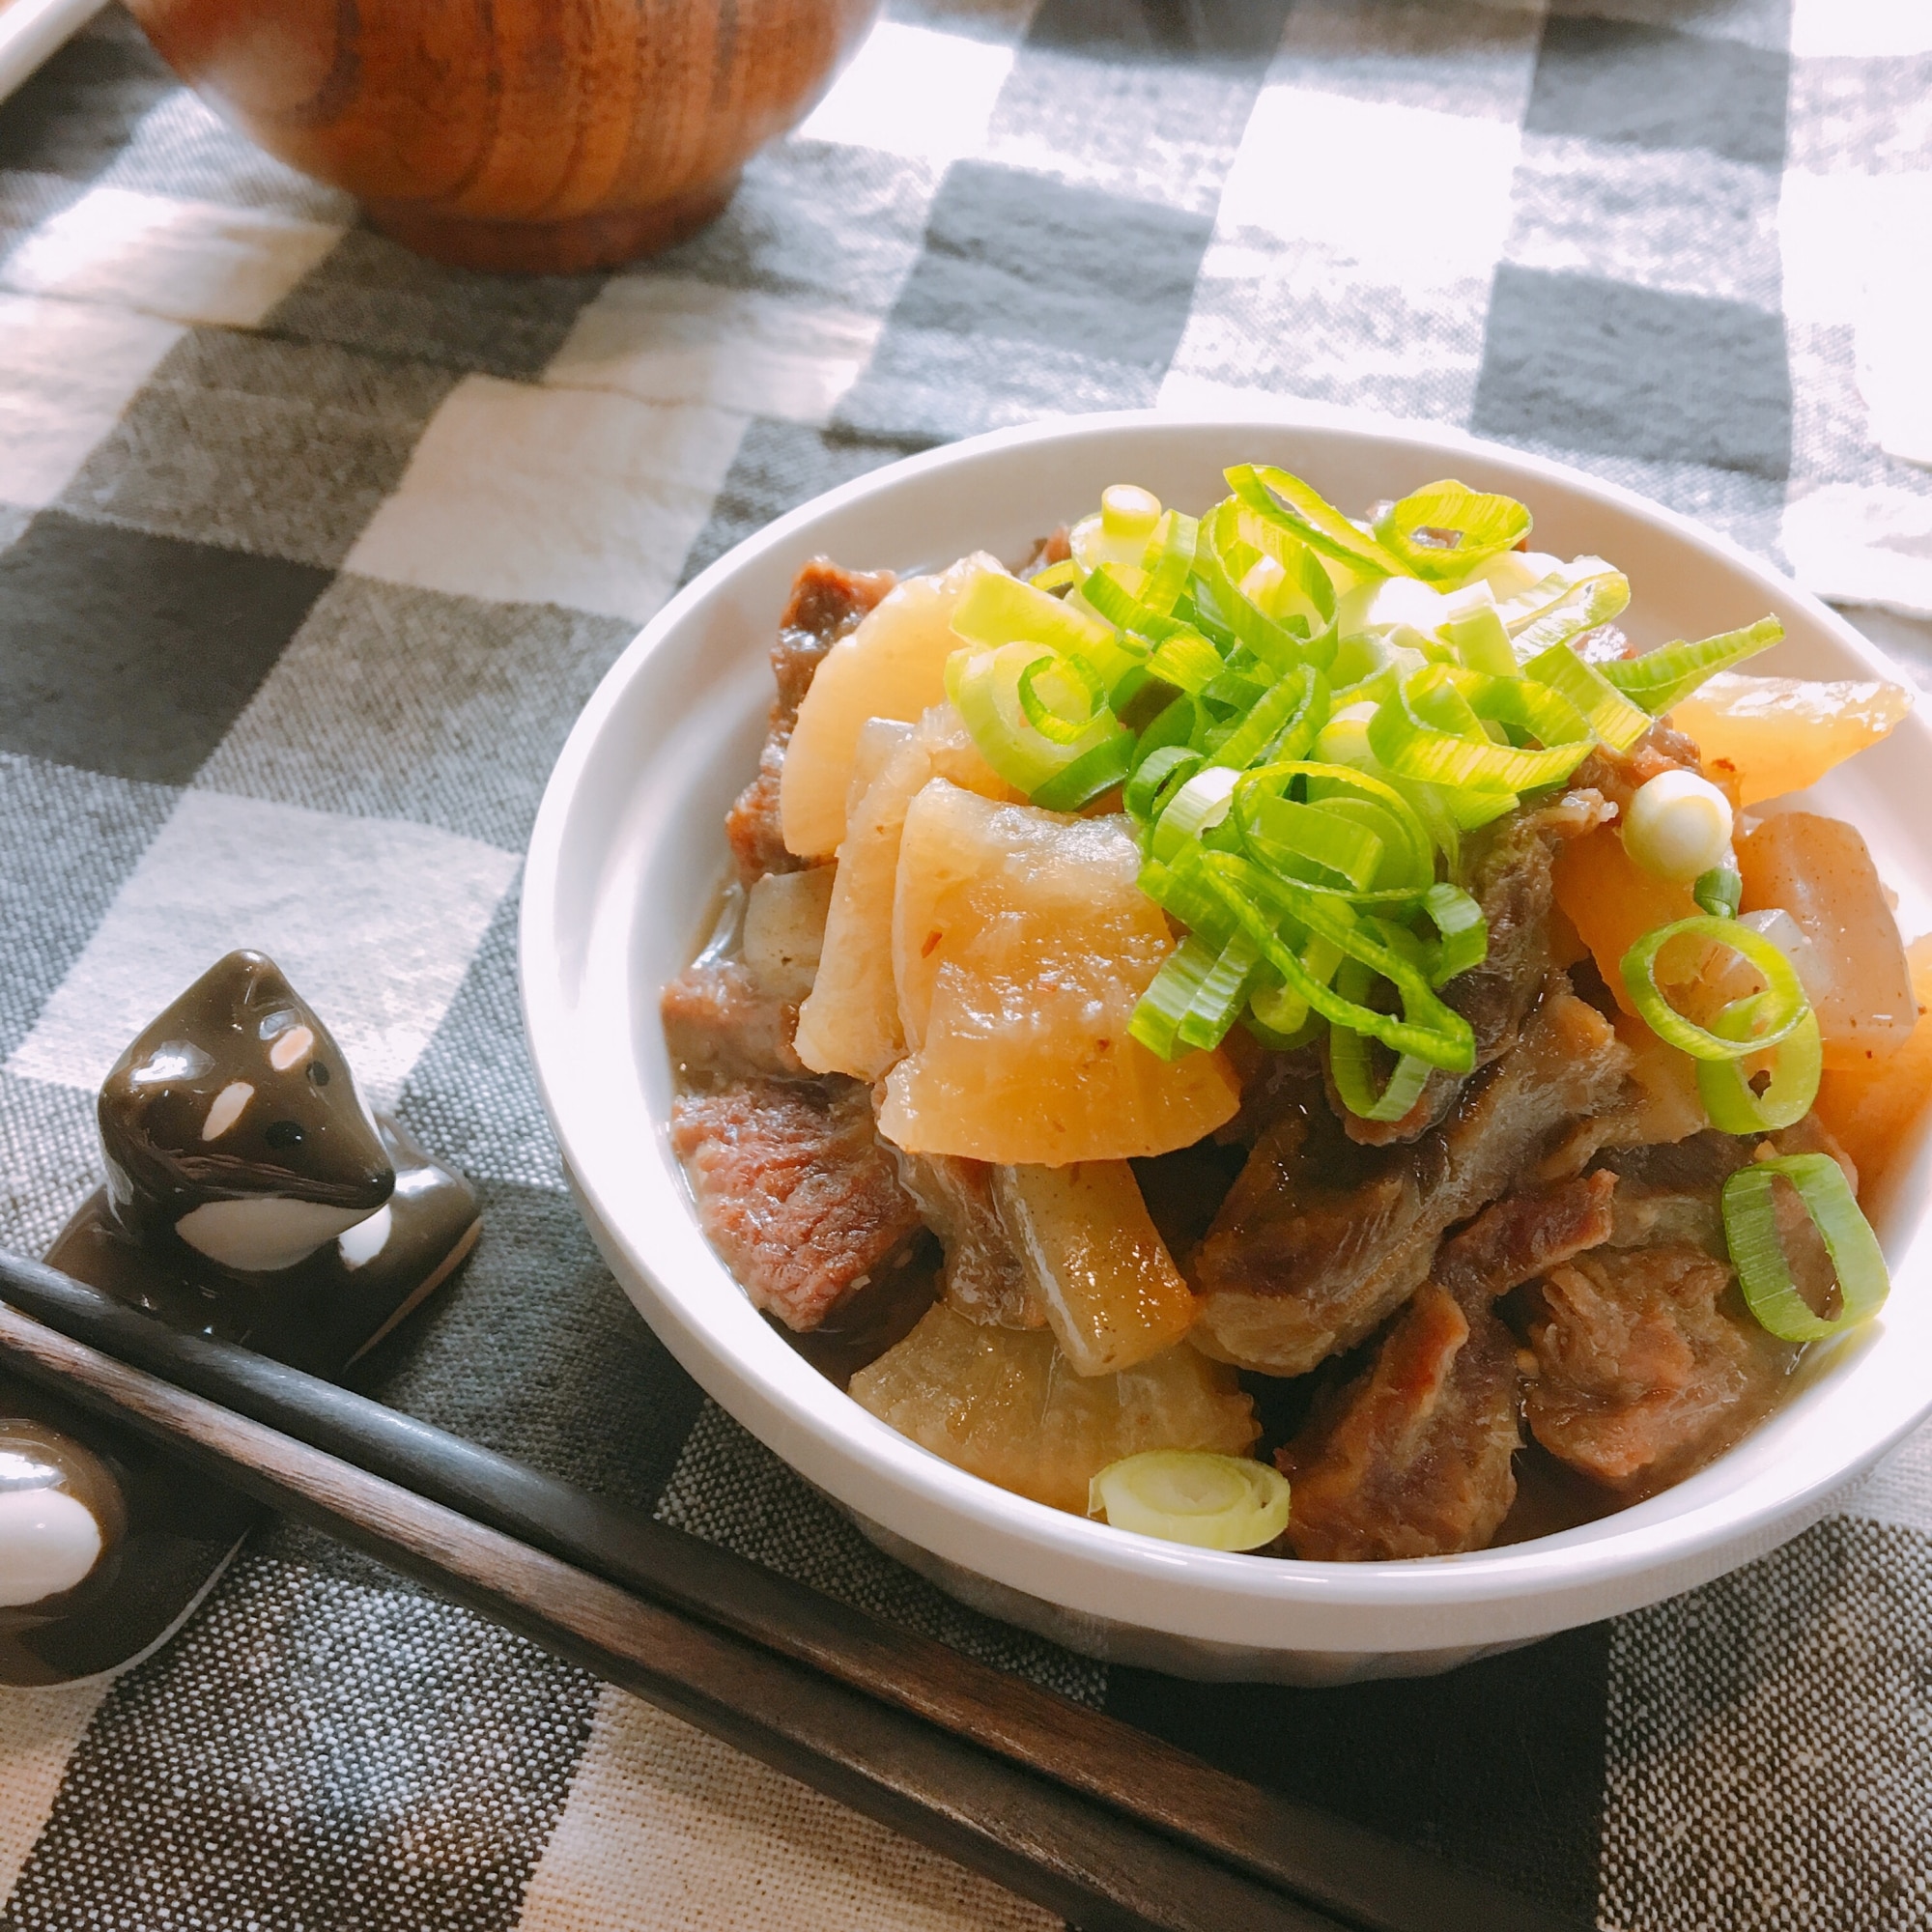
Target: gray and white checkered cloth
310, 552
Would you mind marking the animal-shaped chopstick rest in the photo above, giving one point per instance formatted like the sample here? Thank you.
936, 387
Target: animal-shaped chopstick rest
249, 1194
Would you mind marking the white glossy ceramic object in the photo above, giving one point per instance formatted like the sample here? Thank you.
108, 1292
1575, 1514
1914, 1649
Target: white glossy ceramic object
627, 853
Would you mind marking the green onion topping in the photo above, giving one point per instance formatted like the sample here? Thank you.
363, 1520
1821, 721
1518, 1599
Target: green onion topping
1749, 1025
1751, 1230
1301, 795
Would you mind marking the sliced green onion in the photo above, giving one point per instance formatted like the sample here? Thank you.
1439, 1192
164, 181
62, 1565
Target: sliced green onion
1000, 609
1462, 934
1058, 726
1184, 891
1351, 1061
1156, 1019
1307, 1027
1719, 892
1359, 798
1281, 724
1547, 593
1218, 560
1303, 581
1445, 529
1129, 511
1608, 712
1765, 1018
1279, 832
985, 687
1750, 1231
1584, 603
1796, 1063
1432, 727
1169, 561
1479, 640
1056, 576
1199, 805
1259, 902
1289, 502
1285, 1018
1189, 1496
1097, 770
1174, 725
1223, 992
1663, 677
1156, 777
1187, 661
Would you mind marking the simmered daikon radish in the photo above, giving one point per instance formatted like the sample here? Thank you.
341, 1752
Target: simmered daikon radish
1873, 1109
1003, 1404
1771, 735
1819, 870
851, 1022
1021, 945
1612, 902
1112, 1294
892, 665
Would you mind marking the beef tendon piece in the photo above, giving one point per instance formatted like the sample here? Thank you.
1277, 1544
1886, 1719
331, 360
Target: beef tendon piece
1005, 1406
1413, 1458
721, 1025
827, 603
1306, 1260
794, 1190
984, 1277
1511, 879
1649, 1364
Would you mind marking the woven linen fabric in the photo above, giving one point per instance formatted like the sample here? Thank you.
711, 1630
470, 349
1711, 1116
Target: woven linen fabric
309, 554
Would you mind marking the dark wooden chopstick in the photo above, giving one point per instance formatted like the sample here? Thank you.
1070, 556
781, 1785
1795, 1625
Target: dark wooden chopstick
1336, 1871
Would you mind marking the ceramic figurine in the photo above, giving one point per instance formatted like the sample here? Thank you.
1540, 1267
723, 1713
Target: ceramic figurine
250, 1194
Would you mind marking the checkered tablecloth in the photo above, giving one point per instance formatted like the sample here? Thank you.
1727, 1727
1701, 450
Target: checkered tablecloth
310, 552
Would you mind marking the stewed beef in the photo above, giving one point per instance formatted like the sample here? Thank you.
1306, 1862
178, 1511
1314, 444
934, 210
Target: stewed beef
1649, 1364
794, 1190
1509, 876
827, 604
1316, 1246
720, 1024
1414, 1457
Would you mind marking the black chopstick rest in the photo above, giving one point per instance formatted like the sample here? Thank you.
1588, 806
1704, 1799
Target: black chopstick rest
249, 1193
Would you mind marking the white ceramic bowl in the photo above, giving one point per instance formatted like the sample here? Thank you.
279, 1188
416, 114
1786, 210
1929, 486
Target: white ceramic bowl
626, 856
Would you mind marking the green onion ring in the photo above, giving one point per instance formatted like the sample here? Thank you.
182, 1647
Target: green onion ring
1719, 892
1796, 1067
1426, 1028
1350, 1062
1750, 1231
1054, 726
1771, 1014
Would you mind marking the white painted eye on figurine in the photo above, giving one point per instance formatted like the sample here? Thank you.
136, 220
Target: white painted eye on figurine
60, 1511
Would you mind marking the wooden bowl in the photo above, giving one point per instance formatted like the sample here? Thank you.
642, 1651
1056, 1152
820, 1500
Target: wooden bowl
513, 134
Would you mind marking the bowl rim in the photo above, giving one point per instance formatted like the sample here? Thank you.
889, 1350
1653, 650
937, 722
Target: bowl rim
1522, 1589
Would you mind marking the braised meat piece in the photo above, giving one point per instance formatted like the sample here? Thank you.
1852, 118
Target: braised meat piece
720, 1024
794, 1190
1314, 1249
985, 1278
1510, 878
1649, 1364
1414, 1457
1617, 775
1671, 1193
827, 604
1668, 1195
